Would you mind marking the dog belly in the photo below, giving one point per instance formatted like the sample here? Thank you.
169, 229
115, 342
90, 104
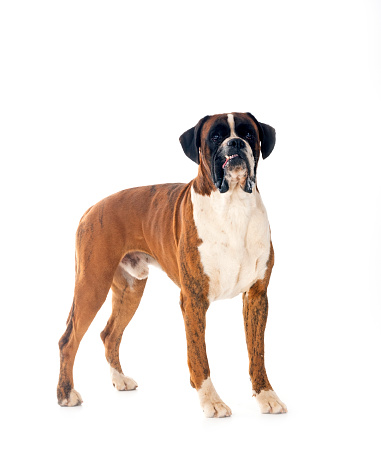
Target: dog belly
137, 264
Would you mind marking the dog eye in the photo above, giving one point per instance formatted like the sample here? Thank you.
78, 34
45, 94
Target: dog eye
249, 136
215, 137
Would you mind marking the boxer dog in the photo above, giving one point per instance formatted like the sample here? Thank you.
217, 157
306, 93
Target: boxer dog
212, 238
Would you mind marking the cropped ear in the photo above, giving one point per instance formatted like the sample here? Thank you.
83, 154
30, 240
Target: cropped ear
267, 136
190, 141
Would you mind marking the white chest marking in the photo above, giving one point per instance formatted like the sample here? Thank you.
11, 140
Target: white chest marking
235, 235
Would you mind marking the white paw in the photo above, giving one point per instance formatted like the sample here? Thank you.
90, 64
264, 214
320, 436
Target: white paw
216, 409
269, 402
121, 382
74, 399
211, 402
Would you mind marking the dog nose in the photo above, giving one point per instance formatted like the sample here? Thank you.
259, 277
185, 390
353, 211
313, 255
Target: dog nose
236, 143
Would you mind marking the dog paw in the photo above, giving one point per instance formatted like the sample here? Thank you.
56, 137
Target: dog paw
121, 382
269, 402
73, 400
216, 409
211, 402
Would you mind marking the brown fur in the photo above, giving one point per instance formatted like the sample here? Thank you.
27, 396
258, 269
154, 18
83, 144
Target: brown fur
158, 221
193, 299
131, 220
126, 297
255, 308
204, 184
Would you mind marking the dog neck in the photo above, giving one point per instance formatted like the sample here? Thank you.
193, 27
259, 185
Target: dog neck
203, 183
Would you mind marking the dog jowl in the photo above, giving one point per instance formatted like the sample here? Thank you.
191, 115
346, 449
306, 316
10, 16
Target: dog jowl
210, 236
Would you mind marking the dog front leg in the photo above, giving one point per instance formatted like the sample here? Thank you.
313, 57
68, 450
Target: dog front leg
194, 313
255, 308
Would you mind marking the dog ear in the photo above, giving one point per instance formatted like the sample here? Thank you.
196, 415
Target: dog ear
267, 136
190, 141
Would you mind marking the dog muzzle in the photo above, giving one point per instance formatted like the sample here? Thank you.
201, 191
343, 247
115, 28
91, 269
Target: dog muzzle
232, 168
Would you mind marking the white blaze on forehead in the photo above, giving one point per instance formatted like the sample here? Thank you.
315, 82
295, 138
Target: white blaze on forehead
247, 150
232, 125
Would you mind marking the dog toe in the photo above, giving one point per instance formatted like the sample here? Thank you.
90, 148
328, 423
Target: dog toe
73, 400
122, 382
269, 402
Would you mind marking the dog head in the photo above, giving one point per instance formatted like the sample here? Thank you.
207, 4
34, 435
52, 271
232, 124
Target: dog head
228, 146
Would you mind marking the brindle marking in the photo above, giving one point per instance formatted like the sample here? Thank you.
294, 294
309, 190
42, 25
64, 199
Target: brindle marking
126, 296
255, 309
157, 221
129, 224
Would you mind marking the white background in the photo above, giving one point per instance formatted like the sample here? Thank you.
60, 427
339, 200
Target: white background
94, 96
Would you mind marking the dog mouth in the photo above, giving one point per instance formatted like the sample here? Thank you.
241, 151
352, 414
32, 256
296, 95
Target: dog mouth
230, 170
228, 158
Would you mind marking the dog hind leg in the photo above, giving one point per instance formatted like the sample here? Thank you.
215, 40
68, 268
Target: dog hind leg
127, 292
88, 299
